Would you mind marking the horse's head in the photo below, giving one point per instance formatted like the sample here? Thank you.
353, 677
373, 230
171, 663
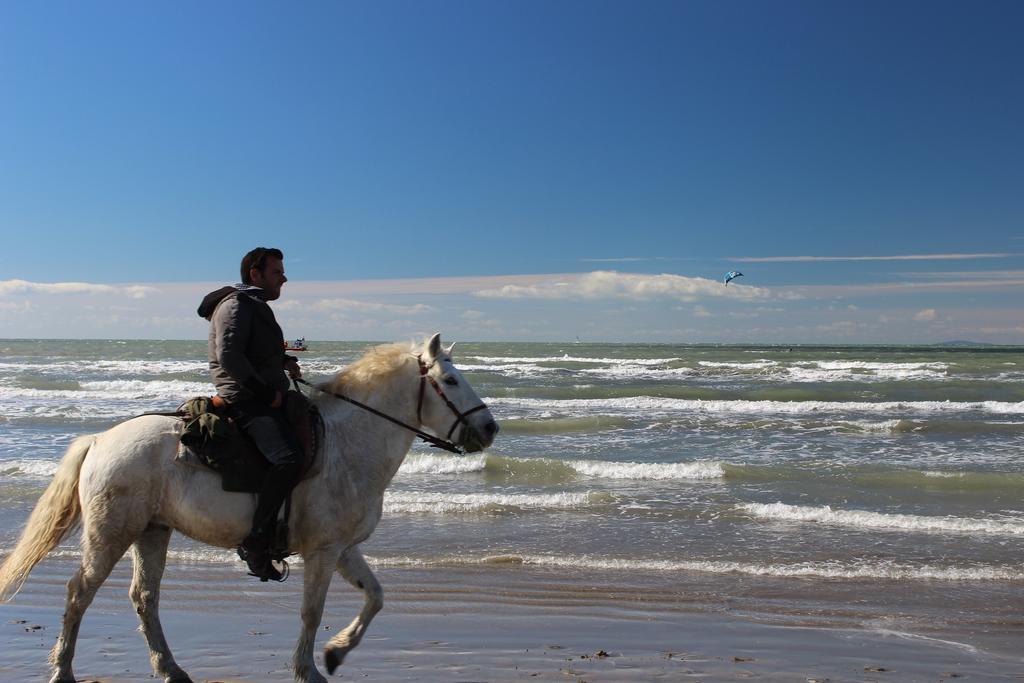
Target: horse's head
449, 407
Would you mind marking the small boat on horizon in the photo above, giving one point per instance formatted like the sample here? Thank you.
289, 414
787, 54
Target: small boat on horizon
296, 345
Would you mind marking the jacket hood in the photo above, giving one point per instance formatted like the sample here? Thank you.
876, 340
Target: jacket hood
211, 300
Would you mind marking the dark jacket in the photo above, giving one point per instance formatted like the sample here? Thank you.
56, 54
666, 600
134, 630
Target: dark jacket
246, 348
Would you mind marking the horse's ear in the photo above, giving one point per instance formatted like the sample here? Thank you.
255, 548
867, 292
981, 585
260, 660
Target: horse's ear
434, 346
449, 349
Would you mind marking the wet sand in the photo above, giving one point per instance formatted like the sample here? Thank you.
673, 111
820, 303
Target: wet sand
225, 627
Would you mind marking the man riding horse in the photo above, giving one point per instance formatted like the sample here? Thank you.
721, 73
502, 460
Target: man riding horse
250, 371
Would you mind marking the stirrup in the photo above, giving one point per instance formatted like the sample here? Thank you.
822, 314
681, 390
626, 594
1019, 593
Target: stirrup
278, 575
264, 571
283, 572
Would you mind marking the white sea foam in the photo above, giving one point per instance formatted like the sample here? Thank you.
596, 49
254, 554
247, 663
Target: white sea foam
512, 370
28, 468
864, 519
636, 372
111, 367
851, 569
655, 406
445, 503
747, 365
431, 463
208, 555
837, 570
838, 371
883, 427
625, 370
868, 365
512, 360
99, 399
148, 389
112, 390
637, 470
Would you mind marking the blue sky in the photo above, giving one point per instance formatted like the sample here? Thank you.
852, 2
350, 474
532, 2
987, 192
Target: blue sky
526, 170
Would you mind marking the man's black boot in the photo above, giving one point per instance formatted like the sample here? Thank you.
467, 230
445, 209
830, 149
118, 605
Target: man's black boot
257, 547
255, 551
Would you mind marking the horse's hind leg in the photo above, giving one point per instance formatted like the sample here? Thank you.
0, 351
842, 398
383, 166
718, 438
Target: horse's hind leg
105, 538
353, 567
150, 555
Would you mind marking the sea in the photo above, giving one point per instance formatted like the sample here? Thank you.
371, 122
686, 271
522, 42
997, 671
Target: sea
839, 486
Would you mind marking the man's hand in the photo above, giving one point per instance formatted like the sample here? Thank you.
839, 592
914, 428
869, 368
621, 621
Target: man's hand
291, 366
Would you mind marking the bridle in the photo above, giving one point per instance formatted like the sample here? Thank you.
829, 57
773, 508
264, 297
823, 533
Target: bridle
460, 417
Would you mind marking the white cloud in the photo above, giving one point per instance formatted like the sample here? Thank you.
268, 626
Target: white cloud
900, 257
352, 305
138, 291
14, 287
993, 275
926, 315
885, 288
604, 284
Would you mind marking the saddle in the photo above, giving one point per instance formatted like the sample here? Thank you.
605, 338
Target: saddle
211, 440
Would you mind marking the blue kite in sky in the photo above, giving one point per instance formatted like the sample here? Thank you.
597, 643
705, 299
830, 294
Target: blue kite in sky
731, 275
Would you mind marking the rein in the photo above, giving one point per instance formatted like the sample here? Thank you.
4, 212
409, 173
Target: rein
434, 441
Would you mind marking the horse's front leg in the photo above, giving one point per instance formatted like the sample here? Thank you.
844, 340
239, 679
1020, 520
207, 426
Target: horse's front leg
353, 567
319, 566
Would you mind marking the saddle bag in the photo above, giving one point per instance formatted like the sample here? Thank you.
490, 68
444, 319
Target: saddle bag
220, 446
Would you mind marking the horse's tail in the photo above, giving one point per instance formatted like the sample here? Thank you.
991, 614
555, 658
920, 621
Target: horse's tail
56, 513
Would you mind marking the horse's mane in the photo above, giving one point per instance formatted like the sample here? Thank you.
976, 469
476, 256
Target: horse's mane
375, 366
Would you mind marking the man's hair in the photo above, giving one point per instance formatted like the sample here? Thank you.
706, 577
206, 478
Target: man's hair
257, 258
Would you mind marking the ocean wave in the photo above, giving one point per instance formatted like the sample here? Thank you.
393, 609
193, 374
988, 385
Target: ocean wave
637, 372
98, 400
863, 519
874, 366
512, 425
799, 374
113, 367
515, 360
641, 471
621, 371
824, 569
655, 406
554, 470
112, 390
838, 569
744, 365
430, 463
447, 503
28, 468
760, 369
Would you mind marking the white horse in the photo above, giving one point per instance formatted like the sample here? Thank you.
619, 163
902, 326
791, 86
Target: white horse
126, 489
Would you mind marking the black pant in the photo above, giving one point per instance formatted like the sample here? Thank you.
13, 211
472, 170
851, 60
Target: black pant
269, 430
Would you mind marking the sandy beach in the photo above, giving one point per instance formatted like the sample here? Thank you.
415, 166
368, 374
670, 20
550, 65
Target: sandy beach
459, 625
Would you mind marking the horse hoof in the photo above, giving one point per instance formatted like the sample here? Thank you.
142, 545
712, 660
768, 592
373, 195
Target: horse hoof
332, 661
178, 678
